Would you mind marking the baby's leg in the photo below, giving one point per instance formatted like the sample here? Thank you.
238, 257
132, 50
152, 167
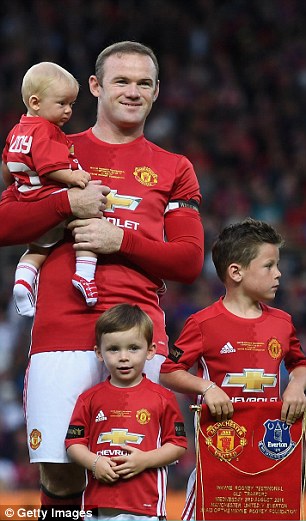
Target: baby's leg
84, 277
25, 278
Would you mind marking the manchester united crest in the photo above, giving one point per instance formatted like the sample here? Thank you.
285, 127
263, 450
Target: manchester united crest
143, 416
274, 348
226, 440
35, 439
145, 176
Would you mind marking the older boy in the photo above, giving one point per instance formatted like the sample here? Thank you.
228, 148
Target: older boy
239, 342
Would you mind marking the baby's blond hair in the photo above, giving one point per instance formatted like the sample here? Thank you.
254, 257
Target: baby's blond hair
40, 76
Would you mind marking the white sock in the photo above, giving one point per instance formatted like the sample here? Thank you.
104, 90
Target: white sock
23, 292
86, 267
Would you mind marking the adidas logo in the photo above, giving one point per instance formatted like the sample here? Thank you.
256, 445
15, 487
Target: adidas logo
227, 348
100, 417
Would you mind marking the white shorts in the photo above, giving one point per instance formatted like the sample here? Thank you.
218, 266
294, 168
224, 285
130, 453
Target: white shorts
53, 382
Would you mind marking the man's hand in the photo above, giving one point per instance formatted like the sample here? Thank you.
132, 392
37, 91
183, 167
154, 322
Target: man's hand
97, 235
89, 202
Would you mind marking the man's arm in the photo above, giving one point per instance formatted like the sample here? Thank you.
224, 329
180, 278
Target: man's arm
180, 258
23, 222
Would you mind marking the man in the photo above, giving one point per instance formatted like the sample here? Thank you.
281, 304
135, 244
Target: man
153, 195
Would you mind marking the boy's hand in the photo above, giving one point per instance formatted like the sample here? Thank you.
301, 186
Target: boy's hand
294, 403
219, 403
80, 178
105, 470
131, 464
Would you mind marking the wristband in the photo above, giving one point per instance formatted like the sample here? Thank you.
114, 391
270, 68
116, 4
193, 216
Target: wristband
94, 466
211, 386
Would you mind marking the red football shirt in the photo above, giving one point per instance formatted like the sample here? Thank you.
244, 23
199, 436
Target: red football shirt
146, 183
146, 417
34, 148
242, 356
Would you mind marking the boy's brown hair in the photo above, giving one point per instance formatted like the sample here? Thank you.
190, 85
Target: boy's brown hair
239, 243
122, 318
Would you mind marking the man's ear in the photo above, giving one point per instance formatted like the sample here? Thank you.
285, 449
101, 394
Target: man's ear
234, 272
98, 353
151, 351
156, 91
94, 86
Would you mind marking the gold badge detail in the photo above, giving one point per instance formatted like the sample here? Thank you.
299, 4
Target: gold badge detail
35, 439
225, 440
145, 176
274, 348
143, 416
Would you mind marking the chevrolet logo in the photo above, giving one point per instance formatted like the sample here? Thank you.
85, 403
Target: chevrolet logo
124, 202
251, 380
120, 437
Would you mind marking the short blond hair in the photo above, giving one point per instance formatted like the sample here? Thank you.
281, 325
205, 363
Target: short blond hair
40, 76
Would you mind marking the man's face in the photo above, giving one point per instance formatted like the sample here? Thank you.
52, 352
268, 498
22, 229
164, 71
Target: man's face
129, 88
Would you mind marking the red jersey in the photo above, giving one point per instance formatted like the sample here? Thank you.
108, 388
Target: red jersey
151, 189
34, 148
242, 356
145, 416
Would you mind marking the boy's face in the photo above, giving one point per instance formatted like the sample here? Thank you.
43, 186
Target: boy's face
260, 280
124, 354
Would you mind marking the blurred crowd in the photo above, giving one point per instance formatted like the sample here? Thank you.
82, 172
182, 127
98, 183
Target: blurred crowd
233, 100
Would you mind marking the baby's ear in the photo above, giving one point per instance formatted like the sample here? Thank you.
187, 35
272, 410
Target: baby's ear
98, 353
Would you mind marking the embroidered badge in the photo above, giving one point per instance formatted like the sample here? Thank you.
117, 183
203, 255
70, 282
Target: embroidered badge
226, 440
175, 353
145, 176
75, 431
35, 439
277, 442
274, 348
143, 416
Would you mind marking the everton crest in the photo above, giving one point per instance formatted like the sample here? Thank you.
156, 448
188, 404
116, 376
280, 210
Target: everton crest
276, 443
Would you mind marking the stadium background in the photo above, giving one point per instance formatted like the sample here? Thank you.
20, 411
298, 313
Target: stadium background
233, 99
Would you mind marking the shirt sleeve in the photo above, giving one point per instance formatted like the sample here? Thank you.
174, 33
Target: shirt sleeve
172, 423
50, 155
180, 257
26, 221
295, 356
78, 430
186, 351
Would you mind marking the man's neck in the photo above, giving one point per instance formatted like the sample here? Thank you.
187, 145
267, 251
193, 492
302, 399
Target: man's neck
115, 135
